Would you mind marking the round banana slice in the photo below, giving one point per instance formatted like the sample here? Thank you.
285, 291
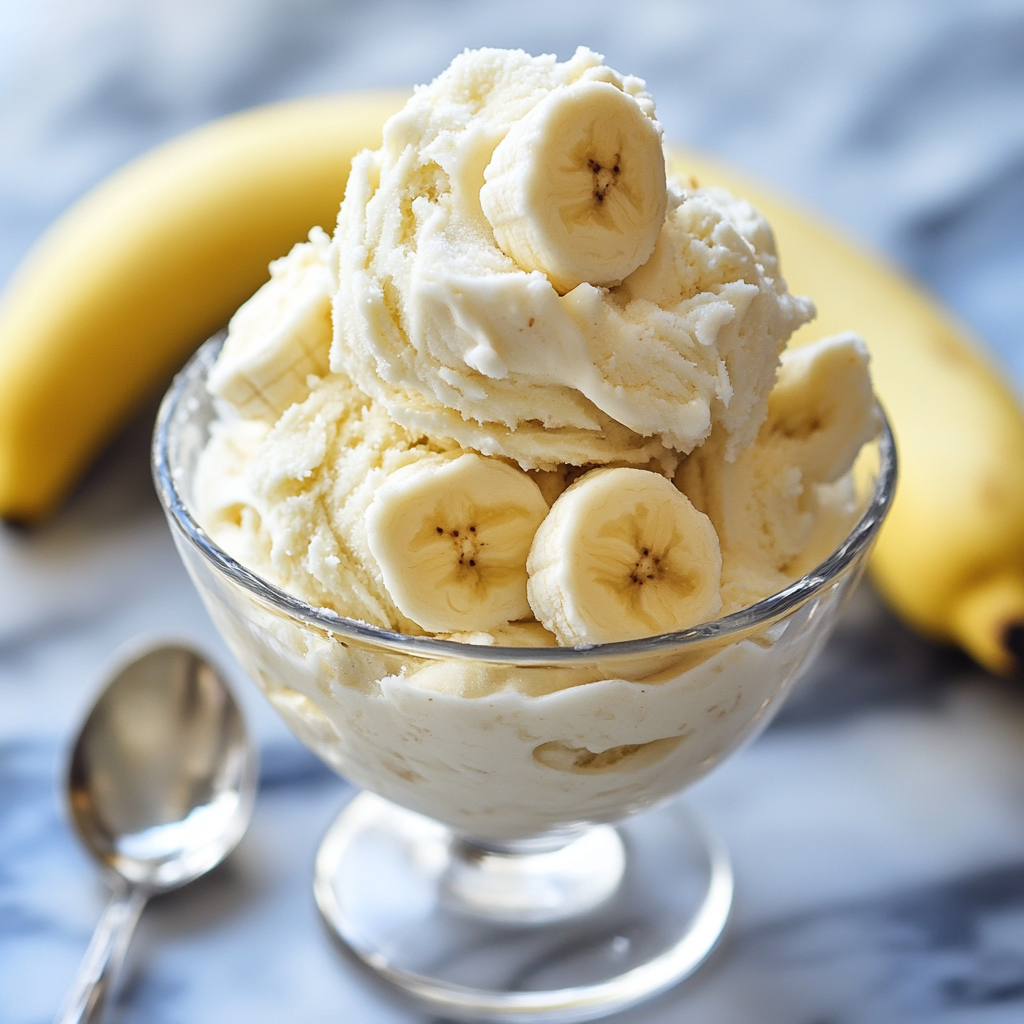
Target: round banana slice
279, 337
822, 408
577, 188
622, 555
451, 539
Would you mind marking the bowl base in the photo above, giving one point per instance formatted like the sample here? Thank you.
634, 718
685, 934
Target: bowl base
510, 944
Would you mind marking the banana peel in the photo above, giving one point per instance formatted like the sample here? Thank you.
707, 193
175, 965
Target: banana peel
126, 284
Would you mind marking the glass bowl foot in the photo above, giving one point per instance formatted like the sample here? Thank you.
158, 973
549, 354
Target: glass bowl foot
524, 932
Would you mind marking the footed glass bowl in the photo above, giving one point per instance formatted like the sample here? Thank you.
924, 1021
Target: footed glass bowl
517, 854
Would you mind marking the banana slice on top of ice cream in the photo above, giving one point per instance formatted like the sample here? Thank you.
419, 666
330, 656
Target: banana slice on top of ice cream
451, 538
623, 554
823, 409
577, 188
513, 275
785, 502
280, 336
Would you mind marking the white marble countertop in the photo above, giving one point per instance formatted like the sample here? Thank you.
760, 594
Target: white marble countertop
877, 826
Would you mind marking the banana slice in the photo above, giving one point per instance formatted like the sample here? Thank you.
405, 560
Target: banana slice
822, 408
279, 337
622, 555
577, 188
451, 539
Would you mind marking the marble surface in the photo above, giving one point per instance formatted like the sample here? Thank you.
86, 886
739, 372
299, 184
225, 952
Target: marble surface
877, 826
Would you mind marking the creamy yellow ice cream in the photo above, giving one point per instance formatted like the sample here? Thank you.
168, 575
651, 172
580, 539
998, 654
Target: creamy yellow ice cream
529, 395
437, 323
442, 345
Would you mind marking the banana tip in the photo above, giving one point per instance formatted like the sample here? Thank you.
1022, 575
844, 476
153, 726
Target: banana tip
1013, 641
15, 524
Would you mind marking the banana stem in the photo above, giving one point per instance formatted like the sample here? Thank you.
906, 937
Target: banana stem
988, 622
1013, 640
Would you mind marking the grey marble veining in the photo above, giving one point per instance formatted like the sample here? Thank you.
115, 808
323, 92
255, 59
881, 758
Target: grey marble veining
877, 826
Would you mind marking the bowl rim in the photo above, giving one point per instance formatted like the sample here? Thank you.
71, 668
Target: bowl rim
744, 620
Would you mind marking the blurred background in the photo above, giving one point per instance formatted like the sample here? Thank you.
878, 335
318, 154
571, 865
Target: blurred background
878, 826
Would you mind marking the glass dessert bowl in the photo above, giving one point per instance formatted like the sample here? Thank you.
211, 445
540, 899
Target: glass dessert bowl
517, 853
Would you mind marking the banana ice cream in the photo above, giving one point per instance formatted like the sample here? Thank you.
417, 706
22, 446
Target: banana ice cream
515, 274
532, 393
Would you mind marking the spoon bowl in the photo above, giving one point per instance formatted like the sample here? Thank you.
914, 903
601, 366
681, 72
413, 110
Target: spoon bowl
161, 785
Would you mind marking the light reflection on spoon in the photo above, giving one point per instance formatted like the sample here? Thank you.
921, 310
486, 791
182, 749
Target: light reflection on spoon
161, 786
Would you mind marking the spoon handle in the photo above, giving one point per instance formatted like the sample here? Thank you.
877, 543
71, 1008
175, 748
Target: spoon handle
98, 973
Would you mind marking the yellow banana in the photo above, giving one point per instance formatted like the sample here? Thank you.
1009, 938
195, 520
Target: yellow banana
950, 558
115, 296
121, 289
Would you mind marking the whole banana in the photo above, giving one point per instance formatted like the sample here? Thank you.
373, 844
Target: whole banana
121, 289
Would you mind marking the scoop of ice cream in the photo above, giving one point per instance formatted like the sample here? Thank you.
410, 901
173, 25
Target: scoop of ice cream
514, 282
456, 339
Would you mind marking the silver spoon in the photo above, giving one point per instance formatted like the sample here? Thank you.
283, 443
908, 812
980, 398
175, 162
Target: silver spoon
160, 788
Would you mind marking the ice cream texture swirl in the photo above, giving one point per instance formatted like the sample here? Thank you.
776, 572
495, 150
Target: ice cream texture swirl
525, 394
456, 339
